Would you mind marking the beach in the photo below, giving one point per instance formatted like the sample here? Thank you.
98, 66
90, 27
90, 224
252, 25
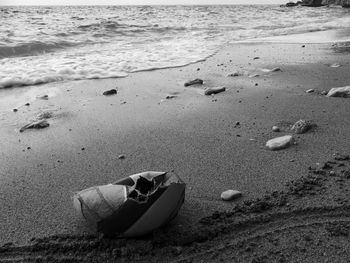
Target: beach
213, 143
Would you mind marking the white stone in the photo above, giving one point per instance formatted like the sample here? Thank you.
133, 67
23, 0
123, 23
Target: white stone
280, 142
339, 92
310, 90
275, 128
229, 195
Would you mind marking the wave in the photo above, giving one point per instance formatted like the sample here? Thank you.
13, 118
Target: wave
33, 48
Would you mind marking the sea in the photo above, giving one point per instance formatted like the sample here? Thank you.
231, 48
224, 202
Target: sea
42, 44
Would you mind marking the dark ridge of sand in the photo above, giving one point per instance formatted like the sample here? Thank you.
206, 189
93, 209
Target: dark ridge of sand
198, 137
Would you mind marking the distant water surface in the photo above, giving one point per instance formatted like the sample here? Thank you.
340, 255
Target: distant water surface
47, 44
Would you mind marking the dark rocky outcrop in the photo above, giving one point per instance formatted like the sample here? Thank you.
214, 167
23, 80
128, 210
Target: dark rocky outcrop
317, 3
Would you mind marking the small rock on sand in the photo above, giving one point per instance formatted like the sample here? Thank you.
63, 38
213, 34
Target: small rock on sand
35, 125
110, 92
214, 90
121, 157
301, 126
194, 82
276, 129
229, 195
44, 97
280, 142
276, 69
324, 92
335, 65
343, 92
235, 74
256, 58
168, 97
309, 90
15, 110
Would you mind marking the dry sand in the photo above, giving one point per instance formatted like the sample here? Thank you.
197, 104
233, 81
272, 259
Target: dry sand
288, 213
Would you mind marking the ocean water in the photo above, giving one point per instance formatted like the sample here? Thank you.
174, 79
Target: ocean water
48, 44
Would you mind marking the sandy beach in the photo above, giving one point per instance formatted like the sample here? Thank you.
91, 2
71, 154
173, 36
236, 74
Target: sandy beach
293, 209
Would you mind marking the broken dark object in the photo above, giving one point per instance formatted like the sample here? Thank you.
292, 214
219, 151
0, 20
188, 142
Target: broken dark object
110, 92
133, 206
35, 125
194, 82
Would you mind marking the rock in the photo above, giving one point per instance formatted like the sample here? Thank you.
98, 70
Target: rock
324, 92
256, 58
168, 97
214, 90
121, 157
110, 92
280, 142
235, 74
301, 126
15, 110
194, 82
229, 195
291, 4
27, 104
276, 69
335, 65
35, 125
310, 91
343, 92
303, 46
276, 129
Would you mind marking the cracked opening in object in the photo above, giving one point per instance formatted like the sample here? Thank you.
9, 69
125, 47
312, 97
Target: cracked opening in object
144, 188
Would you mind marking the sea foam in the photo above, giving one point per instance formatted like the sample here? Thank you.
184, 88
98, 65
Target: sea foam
48, 44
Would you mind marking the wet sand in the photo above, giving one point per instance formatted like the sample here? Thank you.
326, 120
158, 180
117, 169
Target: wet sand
199, 138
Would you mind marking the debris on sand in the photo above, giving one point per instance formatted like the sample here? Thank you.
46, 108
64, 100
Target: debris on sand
121, 157
133, 206
229, 195
194, 82
213, 90
110, 92
43, 97
35, 125
235, 74
280, 142
168, 97
309, 90
276, 129
301, 126
343, 92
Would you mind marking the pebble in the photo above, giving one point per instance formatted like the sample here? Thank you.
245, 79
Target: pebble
276, 69
301, 126
229, 195
280, 142
27, 104
121, 157
335, 65
234, 74
256, 58
213, 90
343, 92
193, 82
324, 92
276, 129
310, 91
15, 110
110, 92
170, 97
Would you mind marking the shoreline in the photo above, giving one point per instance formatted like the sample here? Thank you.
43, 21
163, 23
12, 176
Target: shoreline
194, 135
